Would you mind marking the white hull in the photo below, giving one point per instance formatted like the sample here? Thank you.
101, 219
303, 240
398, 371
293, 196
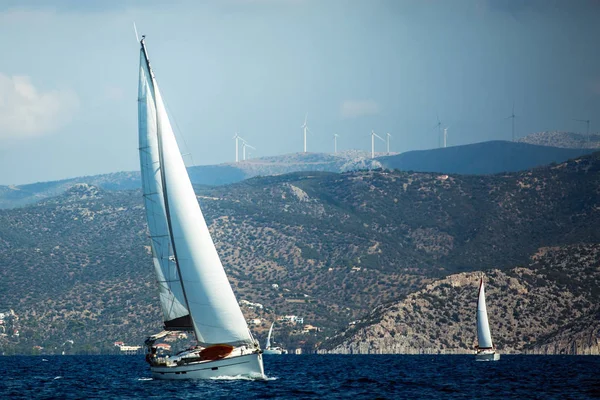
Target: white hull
250, 365
272, 351
487, 356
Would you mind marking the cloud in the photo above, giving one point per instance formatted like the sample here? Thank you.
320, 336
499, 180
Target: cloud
358, 108
26, 112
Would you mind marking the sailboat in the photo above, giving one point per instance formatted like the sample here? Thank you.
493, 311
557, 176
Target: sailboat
273, 350
485, 348
195, 294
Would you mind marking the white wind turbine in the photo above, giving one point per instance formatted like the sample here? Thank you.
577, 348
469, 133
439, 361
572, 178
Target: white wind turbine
335, 136
373, 136
446, 136
244, 145
388, 136
237, 138
305, 129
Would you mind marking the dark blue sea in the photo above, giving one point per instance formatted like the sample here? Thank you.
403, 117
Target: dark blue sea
311, 377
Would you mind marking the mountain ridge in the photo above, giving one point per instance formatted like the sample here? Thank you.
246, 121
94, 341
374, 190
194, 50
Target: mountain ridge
478, 158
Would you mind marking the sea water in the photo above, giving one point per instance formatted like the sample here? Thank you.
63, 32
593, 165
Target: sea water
311, 377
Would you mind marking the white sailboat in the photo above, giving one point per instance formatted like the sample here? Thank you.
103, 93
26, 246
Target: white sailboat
195, 294
273, 350
485, 348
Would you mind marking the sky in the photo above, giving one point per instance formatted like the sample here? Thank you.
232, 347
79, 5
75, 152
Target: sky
69, 76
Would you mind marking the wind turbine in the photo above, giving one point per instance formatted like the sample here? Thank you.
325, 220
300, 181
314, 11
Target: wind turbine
388, 136
373, 135
439, 127
305, 129
445, 136
335, 136
587, 122
237, 138
244, 145
513, 116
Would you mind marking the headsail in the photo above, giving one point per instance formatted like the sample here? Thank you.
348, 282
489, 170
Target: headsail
215, 312
484, 338
176, 315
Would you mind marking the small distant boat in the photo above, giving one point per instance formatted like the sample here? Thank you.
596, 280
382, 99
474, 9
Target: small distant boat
485, 348
273, 350
194, 291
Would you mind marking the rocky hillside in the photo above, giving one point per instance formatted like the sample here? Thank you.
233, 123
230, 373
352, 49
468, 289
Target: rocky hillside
77, 267
550, 306
567, 140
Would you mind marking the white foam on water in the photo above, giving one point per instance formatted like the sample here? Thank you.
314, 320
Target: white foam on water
145, 379
57, 377
43, 359
257, 377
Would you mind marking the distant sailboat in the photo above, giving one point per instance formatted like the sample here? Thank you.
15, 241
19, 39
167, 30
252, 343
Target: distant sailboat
194, 292
485, 348
273, 350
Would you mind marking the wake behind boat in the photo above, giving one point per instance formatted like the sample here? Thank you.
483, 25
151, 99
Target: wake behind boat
194, 291
486, 350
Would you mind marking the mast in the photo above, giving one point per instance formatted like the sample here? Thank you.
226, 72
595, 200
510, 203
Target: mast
162, 176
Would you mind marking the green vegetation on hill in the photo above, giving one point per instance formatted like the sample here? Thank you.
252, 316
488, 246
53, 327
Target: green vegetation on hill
77, 267
567, 140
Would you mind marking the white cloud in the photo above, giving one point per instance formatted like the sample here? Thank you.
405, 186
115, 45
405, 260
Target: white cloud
358, 108
27, 112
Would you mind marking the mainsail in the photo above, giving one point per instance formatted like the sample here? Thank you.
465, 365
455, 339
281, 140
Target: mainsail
175, 314
484, 337
206, 292
269, 336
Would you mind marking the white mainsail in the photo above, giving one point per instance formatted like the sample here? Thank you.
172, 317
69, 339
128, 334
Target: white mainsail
214, 310
269, 336
170, 291
484, 338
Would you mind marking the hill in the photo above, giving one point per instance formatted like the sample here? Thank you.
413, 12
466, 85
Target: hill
551, 306
567, 140
329, 247
481, 158
208, 175
473, 159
